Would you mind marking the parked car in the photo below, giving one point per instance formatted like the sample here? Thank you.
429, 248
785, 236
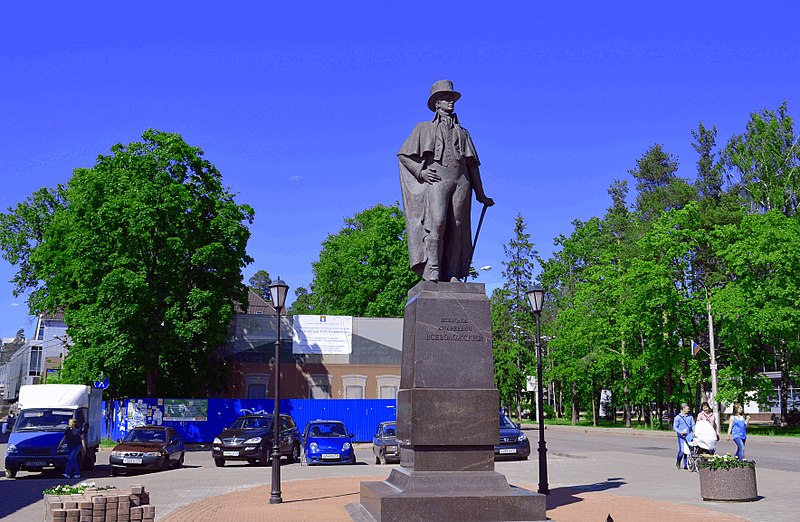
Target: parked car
513, 443
384, 444
250, 438
147, 447
327, 442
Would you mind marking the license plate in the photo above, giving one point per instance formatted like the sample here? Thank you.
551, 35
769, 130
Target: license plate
131, 460
230, 453
508, 450
36, 463
330, 455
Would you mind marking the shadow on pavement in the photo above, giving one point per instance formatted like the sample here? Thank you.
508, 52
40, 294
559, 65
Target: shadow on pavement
26, 489
567, 495
321, 497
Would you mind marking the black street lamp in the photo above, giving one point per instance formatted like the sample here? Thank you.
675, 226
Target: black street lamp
277, 291
536, 298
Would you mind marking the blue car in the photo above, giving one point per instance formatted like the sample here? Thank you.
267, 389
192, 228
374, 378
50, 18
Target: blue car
327, 442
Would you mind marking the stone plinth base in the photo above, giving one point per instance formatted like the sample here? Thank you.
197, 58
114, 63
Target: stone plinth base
449, 495
731, 485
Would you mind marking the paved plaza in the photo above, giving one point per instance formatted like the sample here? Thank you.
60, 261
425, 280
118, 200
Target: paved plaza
592, 473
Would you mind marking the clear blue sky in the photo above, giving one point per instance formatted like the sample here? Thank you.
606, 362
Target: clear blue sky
304, 108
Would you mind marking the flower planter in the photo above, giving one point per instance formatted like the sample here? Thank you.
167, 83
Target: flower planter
731, 485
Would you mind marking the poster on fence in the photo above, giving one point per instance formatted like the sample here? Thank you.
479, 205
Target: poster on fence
322, 334
181, 410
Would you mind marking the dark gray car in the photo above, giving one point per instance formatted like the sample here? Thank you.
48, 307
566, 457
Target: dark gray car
384, 445
250, 438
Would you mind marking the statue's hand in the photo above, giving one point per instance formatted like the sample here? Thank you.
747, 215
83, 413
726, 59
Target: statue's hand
485, 200
429, 175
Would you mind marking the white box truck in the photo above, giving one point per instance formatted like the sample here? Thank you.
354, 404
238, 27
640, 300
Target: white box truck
44, 413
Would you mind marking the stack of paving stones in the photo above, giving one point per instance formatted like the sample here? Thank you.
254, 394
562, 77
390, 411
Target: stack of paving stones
108, 505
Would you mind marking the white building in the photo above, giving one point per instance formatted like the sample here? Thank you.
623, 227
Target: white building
30, 363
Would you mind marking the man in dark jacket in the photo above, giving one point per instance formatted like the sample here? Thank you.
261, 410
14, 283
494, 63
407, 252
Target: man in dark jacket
439, 169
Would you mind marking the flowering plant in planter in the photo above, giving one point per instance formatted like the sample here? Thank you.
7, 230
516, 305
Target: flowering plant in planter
726, 461
71, 490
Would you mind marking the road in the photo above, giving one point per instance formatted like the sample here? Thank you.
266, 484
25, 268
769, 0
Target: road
639, 465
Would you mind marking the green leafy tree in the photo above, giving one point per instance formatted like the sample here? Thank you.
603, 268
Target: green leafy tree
759, 303
302, 302
22, 229
363, 269
145, 256
658, 187
518, 274
259, 283
767, 160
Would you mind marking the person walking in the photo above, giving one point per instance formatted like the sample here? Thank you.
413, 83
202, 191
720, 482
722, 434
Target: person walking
75, 444
683, 425
737, 428
707, 415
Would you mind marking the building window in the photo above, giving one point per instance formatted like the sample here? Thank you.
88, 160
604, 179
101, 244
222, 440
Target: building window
256, 385
388, 386
354, 386
319, 386
35, 367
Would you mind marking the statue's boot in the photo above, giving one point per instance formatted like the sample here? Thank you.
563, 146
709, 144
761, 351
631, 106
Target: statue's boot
433, 247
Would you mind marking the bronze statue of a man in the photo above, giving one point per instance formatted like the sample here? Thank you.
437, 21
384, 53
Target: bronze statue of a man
438, 172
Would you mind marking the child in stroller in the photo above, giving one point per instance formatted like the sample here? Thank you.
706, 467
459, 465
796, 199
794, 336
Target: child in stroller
703, 443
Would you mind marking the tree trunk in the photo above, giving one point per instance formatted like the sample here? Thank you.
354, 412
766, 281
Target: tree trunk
782, 360
668, 397
625, 389
575, 414
595, 407
151, 378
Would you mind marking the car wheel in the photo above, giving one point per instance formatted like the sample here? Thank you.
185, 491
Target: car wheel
219, 462
11, 472
114, 471
294, 456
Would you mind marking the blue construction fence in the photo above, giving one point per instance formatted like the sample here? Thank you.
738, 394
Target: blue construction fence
200, 420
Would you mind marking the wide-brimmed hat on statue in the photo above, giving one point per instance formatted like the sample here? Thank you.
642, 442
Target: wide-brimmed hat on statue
439, 88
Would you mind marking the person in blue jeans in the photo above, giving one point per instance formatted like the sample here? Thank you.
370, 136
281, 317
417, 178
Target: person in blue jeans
683, 425
737, 428
74, 441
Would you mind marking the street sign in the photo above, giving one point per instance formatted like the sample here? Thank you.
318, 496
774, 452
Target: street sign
102, 385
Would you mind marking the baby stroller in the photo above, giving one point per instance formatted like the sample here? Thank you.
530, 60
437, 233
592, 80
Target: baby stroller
703, 443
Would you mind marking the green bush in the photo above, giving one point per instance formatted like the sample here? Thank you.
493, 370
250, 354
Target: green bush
72, 490
726, 461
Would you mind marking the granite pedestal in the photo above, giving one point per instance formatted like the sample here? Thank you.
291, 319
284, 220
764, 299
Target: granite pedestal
447, 417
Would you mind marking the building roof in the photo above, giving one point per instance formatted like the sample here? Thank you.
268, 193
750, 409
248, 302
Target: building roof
257, 305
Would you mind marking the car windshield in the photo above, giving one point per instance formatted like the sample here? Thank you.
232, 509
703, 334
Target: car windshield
327, 429
43, 420
146, 435
389, 431
251, 423
505, 422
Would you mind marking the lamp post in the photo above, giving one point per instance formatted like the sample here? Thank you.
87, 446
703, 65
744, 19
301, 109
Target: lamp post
277, 291
536, 298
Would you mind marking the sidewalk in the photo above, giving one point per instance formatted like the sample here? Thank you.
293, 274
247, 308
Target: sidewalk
327, 499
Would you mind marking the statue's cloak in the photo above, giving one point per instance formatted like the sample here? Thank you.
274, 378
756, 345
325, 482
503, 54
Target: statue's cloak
421, 145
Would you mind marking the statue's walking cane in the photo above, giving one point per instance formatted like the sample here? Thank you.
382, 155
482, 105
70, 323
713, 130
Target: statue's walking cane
475, 241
